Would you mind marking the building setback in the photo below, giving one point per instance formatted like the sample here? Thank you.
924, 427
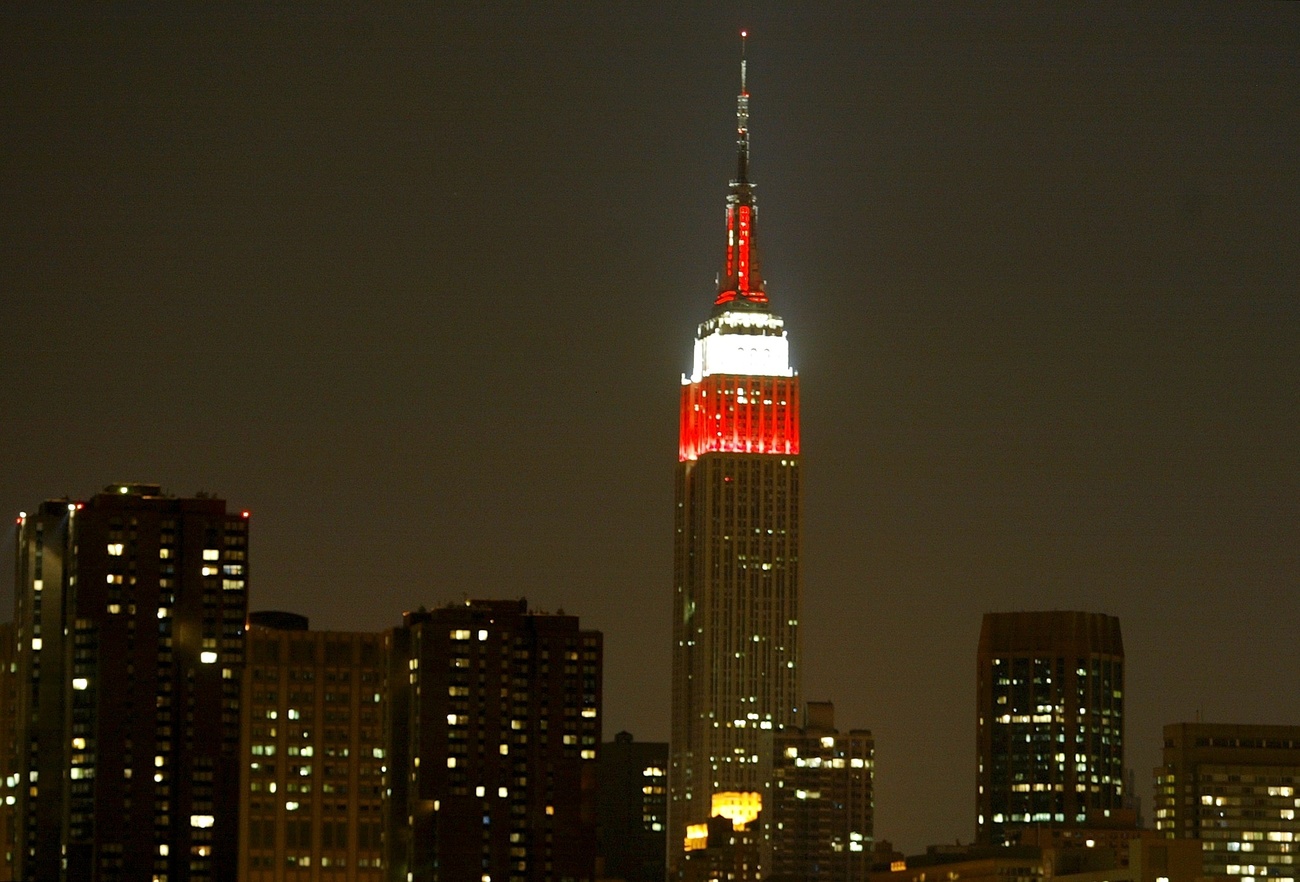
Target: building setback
820, 827
494, 730
312, 777
632, 808
129, 625
736, 663
1237, 789
1050, 722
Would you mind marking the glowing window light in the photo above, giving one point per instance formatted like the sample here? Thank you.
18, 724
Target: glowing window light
738, 807
697, 837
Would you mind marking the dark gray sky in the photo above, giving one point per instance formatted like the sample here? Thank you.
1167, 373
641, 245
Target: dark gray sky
417, 285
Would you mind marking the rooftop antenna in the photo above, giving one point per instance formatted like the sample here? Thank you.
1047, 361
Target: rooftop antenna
744, 37
742, 116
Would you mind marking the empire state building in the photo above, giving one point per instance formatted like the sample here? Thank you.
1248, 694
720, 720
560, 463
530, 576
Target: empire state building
736, 661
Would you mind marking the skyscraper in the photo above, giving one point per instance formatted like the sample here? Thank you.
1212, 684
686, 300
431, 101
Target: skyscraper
313, 752
129, 624
1050, 722
632, 798
9, 782
1237, 789
494, 729
736, 664
821, 819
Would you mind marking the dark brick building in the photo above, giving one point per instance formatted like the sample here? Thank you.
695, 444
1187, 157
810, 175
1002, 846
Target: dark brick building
494, 728
129, 636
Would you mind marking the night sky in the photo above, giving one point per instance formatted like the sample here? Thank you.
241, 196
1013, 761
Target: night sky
417, 287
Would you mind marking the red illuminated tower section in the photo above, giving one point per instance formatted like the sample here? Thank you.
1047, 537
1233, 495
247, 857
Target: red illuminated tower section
736, 663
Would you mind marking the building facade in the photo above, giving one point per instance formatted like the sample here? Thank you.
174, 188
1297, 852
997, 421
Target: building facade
632, 808
1236, 788
129, 624
493, 736
1050, 722
736, 656
821, 822
9, 783
312, 775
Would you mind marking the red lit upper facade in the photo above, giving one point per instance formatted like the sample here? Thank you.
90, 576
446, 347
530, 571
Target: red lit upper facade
742, 395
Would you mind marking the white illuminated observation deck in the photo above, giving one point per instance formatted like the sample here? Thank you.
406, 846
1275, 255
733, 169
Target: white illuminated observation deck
746, 343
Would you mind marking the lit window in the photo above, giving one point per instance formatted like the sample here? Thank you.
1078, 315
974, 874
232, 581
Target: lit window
115, 549
208, 657
202, 820
211, 554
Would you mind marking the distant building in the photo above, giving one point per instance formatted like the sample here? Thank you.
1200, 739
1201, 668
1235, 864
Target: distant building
312, 778
1236, 788
494, 730
1050, 722
726, 849
9, 782
632, 808
1138, 860
820, 827
1114, 833
968, 864
129, 622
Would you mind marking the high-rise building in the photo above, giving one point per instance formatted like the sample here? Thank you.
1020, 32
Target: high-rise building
129, 624
312, 777
820, 826
1236, 788
9, 782
1050, 722
494, 731
632, 808
736, 662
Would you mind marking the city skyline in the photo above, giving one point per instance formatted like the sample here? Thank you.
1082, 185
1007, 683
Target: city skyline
431, 272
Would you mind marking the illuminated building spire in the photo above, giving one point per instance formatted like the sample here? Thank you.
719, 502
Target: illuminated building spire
741, 285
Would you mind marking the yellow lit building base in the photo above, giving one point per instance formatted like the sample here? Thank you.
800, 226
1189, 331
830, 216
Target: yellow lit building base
739, 808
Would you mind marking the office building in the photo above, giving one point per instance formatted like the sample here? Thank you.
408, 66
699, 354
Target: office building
632, 808
736, 662
1050, 722
494, 732
312, 777
820, 826
129, 624
1236, 788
